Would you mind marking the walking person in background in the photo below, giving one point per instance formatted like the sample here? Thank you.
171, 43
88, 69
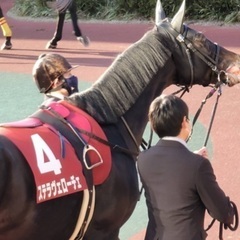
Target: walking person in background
62, 6
7, 32
179, 185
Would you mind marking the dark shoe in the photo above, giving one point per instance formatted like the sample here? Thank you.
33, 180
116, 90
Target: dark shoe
84, 40
50, 45
7, 46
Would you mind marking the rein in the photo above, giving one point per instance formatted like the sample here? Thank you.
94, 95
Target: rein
144, 144
225, 226
103, 141
218, 86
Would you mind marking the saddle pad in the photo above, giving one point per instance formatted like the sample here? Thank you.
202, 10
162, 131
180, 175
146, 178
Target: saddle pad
55, 175
27, 122
82, 120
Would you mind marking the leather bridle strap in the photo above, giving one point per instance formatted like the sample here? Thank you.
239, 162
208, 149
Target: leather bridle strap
212, 63
144, 144
217, 86
103, 141
130, 132
205, 58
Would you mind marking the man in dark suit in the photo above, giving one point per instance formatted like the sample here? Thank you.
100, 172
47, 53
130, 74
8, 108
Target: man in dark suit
179, 184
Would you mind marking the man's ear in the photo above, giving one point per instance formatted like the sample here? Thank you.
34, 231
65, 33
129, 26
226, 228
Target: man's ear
184, 122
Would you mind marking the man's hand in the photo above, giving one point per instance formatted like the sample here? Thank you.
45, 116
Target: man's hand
202, 151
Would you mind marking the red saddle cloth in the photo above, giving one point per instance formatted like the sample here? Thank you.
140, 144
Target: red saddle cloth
56, 168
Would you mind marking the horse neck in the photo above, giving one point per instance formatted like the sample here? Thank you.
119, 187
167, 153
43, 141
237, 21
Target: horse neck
137, 116
126, 80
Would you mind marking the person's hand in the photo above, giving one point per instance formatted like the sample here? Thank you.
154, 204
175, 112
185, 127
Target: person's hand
202, 151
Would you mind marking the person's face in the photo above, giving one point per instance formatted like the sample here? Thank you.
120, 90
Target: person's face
64, 92
58, 86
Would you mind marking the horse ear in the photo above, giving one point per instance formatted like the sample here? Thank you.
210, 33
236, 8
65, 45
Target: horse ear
159, 13
177, 20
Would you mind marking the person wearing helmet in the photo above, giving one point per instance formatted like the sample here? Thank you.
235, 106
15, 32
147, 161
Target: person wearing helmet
53, 77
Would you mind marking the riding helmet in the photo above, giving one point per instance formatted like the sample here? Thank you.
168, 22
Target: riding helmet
47, 68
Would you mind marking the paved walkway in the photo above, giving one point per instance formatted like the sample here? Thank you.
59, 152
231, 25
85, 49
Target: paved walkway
19, 96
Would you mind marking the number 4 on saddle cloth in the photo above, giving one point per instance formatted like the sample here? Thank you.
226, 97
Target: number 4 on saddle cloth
56, 168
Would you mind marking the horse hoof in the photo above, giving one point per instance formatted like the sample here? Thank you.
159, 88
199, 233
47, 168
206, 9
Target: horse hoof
6, 46
51, 45
84, 40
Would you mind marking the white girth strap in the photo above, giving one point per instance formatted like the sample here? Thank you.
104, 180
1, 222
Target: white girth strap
82, 213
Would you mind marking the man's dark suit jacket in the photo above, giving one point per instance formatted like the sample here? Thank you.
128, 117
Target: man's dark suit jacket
179, 186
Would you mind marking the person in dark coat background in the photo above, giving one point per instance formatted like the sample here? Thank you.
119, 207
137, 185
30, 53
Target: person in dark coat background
179, 184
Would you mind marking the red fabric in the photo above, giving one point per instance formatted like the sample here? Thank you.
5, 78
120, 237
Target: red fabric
27, 122
82, 120
67, 177
69, 169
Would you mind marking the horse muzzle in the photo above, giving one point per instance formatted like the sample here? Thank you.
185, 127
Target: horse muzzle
233, 74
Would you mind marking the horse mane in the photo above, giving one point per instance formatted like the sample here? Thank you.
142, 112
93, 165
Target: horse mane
119, 87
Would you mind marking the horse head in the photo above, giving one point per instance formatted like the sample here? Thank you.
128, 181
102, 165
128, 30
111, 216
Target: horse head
170, 53
204, 62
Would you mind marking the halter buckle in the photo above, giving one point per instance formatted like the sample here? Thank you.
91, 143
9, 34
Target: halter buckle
180, 38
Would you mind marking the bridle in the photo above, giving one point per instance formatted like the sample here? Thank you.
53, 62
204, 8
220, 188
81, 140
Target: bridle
212, 63
190, 48
222, 77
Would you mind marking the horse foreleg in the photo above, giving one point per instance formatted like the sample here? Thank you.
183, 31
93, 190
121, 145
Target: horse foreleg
58, 32
7, 33
76, 29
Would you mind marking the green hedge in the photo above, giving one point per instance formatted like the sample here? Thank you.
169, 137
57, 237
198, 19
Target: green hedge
215, 10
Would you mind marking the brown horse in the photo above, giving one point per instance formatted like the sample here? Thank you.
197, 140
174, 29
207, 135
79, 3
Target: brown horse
170, 53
